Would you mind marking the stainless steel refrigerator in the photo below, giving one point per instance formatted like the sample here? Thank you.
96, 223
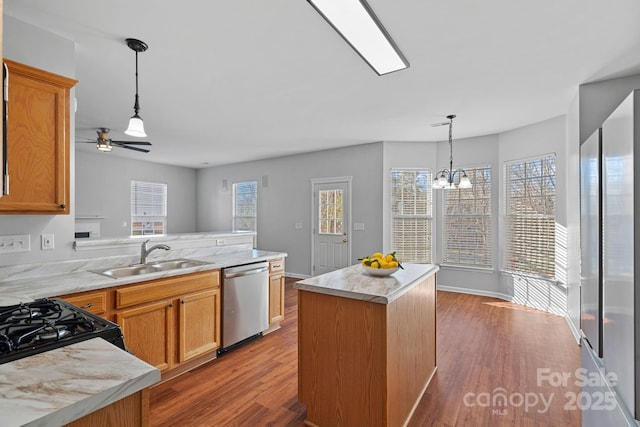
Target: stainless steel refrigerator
610, 309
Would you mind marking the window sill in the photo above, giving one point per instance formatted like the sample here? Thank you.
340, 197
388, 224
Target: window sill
468, 268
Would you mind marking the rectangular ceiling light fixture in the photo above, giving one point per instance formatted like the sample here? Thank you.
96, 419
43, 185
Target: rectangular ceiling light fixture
358, 25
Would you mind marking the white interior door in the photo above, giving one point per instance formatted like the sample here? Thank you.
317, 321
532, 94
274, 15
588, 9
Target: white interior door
331, 248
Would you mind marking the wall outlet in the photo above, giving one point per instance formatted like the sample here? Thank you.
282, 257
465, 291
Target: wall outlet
219, 242
15, 243
298, 226
47, 242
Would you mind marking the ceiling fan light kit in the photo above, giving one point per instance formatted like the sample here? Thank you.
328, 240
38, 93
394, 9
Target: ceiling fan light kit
445, 178
106, 144
136, 126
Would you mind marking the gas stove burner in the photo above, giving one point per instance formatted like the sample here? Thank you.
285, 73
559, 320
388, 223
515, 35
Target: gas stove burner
42, 325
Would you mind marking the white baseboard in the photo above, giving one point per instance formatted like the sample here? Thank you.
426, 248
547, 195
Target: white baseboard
573, 329
482, 293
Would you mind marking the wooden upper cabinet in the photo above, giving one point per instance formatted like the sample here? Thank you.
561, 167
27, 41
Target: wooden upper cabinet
38, 143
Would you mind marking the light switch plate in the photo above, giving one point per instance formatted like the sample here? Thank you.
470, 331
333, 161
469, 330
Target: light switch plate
358, 226
47, 242
15, 243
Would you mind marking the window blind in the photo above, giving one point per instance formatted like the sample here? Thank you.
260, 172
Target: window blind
467, 233
530, 196
411, 212
245, 200
148, 208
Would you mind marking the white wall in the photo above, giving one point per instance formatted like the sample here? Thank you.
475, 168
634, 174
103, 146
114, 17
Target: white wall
32, 46
103, 187
287, 199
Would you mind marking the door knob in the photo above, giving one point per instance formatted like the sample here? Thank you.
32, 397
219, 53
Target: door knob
344, 240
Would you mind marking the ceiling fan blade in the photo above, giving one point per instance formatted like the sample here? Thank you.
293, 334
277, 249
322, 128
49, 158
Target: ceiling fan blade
115, 144
131, 142
440, 124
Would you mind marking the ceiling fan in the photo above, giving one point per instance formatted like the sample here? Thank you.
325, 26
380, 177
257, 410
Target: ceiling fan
106, 144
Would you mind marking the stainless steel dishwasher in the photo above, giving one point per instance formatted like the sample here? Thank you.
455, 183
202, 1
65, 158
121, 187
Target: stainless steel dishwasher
245, 303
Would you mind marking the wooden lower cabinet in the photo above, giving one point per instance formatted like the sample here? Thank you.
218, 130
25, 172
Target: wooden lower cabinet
171, 323
276, 298
148, 332
276, 293
199, 324
168, 322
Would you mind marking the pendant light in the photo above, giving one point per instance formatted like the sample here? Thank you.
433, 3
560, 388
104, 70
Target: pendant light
136, 126
445, 178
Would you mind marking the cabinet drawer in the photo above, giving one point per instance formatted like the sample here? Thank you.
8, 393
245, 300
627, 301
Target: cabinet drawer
276, 266
94, 301
166, 288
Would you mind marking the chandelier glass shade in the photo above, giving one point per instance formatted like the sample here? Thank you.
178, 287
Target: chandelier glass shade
451, 178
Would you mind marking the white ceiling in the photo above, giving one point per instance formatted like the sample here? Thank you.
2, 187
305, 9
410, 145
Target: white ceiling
226, 82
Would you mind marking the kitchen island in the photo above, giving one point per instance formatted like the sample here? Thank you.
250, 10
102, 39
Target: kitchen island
366, 345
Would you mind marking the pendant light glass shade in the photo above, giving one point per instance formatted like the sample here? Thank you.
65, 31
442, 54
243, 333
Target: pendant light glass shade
465, 182
136, 127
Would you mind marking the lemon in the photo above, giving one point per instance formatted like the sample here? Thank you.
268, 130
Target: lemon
377, 255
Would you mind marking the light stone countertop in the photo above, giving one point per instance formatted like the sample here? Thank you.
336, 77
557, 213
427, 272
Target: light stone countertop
58, 386
353, 282
82, 278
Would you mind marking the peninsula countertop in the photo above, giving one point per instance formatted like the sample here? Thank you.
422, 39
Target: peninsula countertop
353, 282
59, 386
81, 277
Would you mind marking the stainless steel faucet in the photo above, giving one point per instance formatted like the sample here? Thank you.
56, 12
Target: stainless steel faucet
144, 252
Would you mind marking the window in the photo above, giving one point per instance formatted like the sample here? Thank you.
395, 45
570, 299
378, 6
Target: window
148, 208
530, 198
245, 200
330, 217
467, 222
411, 214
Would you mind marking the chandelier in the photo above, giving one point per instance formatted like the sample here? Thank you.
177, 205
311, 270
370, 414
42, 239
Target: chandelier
445, 179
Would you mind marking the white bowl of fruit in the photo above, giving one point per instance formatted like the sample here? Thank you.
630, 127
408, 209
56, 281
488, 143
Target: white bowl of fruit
380, 265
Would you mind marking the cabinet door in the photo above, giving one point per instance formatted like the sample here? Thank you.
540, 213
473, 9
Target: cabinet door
37, 141
199, 324
147, 332
276, 298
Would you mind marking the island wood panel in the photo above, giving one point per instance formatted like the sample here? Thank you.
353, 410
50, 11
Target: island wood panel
132, 411
411, 349
364, 363
341, 372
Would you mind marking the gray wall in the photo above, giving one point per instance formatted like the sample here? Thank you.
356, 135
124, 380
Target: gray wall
32, 46
286, 199
103, 187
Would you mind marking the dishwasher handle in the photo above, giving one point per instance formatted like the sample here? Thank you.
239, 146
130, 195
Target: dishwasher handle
230, 273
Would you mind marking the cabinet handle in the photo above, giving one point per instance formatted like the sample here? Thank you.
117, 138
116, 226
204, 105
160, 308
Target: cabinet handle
181, 301
171, 305
62, 206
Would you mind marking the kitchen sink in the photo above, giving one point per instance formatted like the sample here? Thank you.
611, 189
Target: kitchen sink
152, 267
176, 264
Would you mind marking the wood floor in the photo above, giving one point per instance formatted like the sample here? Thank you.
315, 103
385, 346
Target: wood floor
486, 349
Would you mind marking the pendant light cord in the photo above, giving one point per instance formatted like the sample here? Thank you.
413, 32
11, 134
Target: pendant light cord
136, 105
